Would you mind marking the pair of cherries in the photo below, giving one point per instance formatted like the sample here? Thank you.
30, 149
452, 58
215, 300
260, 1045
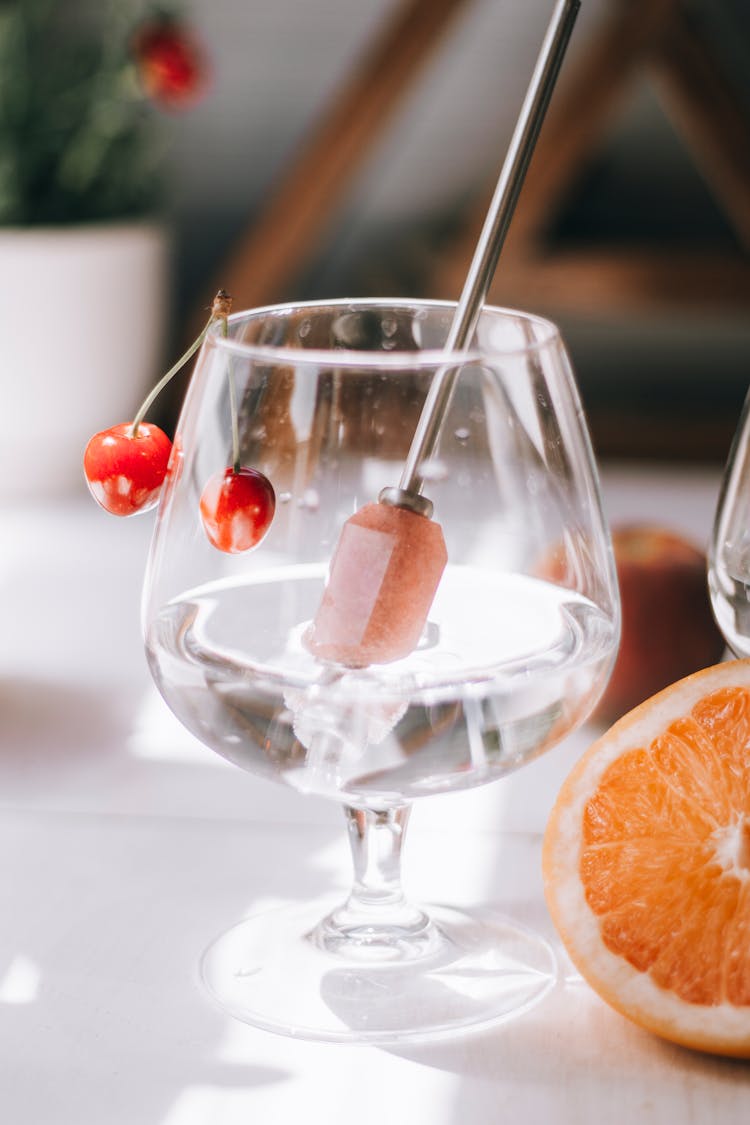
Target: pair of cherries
126, 465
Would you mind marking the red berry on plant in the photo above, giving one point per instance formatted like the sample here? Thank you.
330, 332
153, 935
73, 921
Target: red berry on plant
125, 470
171, 66
237, 506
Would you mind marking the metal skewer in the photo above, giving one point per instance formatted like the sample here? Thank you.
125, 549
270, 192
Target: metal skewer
484, 261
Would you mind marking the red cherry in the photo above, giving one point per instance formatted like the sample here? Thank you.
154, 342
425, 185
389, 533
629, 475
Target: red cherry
124, 471
237, 507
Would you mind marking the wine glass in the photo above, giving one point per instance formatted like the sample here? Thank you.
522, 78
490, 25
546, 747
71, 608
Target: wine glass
510, 652
729, 547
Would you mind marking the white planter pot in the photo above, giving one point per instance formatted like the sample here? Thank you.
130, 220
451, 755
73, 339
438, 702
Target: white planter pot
82, 319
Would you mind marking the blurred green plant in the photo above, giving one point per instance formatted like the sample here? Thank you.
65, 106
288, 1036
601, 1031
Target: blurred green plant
81, 87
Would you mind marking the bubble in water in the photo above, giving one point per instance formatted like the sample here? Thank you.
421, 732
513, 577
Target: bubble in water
284, 497
389, 326
433, 469
310, 500
462, 434
304, 329
258, 433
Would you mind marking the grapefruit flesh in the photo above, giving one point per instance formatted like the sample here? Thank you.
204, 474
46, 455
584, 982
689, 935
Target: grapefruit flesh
647, 862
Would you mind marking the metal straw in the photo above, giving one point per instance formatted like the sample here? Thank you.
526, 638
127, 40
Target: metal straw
486, 253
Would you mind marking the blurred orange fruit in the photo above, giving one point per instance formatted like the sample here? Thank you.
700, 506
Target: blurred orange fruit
647, 862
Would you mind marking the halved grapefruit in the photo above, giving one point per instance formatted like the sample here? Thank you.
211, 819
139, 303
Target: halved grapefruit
647, 862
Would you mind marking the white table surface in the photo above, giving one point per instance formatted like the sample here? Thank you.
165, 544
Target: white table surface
125, 847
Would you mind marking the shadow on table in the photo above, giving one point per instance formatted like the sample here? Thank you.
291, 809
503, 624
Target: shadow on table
574, 1051
114, 747
50, 720
103, 921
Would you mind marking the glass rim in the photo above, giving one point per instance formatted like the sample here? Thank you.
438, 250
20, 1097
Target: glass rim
350, 357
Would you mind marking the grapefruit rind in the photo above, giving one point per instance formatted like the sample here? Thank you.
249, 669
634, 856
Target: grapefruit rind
721, 1028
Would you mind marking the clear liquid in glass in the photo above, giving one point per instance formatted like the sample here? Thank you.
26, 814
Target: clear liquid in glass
480, 695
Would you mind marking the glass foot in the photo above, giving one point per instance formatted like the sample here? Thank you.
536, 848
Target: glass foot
276, 971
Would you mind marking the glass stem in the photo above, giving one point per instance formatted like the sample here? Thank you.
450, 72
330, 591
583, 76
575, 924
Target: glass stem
377, 921
376, 840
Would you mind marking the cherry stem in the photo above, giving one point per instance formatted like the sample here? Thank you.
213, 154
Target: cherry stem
220, 309
236, 466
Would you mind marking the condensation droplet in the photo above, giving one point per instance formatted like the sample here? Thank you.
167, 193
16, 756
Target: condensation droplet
258, 433
310, 500
433, 469
462, 434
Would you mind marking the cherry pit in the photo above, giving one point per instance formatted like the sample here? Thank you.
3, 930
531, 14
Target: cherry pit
126, 465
